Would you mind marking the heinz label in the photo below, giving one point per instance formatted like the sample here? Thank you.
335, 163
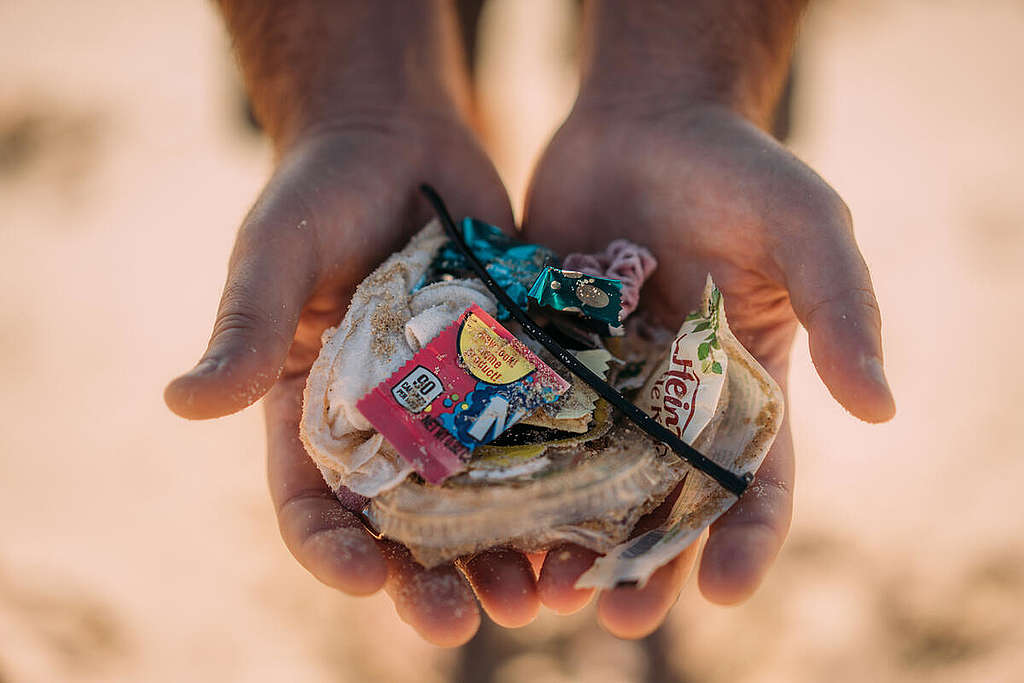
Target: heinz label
683, 392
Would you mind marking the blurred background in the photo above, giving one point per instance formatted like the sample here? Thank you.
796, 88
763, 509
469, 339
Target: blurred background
136, 546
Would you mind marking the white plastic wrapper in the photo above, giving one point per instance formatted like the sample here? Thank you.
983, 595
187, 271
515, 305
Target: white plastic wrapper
712, 393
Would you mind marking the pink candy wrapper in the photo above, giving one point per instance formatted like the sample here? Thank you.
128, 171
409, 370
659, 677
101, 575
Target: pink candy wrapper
468, 385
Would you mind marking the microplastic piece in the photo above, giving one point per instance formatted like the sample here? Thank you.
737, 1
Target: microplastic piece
598, 299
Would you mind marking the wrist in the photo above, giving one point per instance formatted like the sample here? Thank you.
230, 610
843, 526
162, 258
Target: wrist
312, 65
652, 56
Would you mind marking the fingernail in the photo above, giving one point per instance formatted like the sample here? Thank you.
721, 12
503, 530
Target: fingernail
873, 368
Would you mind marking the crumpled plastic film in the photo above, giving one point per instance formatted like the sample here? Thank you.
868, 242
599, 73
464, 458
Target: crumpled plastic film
513, 264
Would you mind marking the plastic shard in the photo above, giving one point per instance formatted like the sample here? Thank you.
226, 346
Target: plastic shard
597, 299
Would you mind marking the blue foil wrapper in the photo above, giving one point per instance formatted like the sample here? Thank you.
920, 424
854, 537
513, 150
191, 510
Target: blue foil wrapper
513, 264
488, 410
598, 299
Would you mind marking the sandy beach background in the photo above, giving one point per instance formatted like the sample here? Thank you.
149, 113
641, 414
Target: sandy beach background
135, 546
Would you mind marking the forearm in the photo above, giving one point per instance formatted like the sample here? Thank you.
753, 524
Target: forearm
734, 53
307, 63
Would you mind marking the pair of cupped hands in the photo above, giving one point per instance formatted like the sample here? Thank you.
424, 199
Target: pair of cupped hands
702, 187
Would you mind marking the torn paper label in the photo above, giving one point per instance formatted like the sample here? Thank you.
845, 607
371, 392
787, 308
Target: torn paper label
738, 437
684, 391
574, 409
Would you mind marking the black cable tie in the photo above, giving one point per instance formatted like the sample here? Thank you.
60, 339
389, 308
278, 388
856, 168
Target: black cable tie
732, 482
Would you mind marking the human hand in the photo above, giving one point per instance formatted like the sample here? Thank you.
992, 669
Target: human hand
666, 146
708, 192
338, 205
351, 154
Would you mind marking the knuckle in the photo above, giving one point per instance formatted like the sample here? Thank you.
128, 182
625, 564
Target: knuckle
307, 513
813, 203
234, 323
830, 212
237, 315
861, 299
283, 219
240, 315
300, 499
772, 487
769, 519
835, 208
844, 211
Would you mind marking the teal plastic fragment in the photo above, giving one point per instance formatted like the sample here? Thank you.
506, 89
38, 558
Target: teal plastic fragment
513, 264
598, 299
